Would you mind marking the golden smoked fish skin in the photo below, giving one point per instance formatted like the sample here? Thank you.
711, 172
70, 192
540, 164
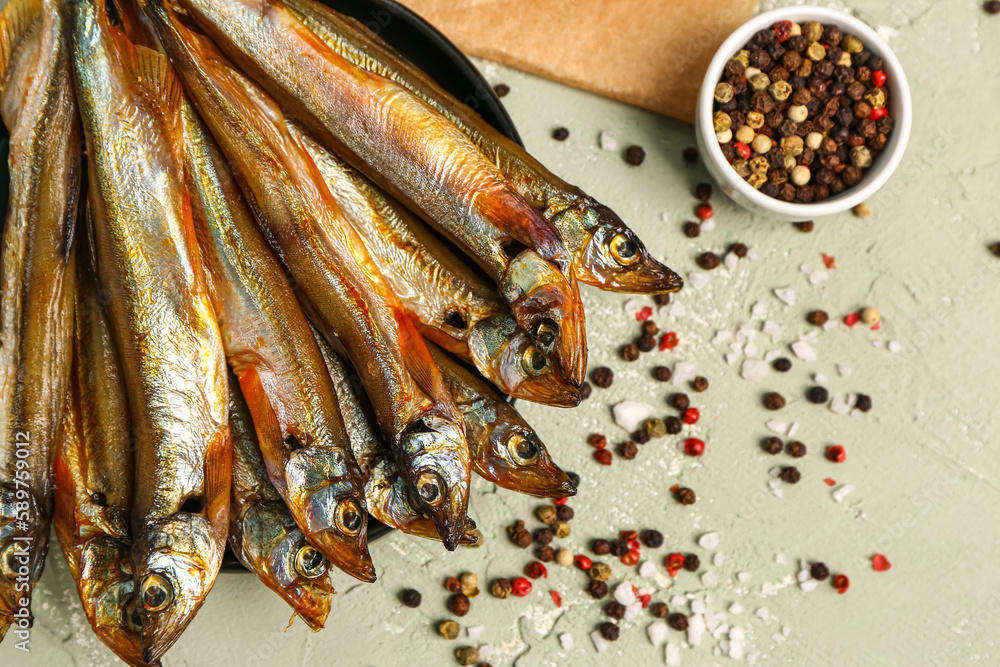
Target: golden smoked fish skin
505, 449
411, 150
271, 349
263, 533
454, 306
94, 472
37, 286
335, 276
604, 251
165, 329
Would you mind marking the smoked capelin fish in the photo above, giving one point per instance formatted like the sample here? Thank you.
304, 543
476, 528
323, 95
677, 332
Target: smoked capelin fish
605, 252
389, 498
271, 349
263, 534
455, 307
165, 330
335, 275
94, 472
505, 449
38, 286
380, 128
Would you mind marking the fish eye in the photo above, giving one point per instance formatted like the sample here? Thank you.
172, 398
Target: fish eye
130, 616
430, 488
157, 593
546, 335
522, 450
533, 361
7, 565
349, 517
309, 562
624, 250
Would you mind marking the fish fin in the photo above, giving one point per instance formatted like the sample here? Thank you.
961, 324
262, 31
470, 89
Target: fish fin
159, 84
218, 477
444, 340
15, 21
418, 361
269, 434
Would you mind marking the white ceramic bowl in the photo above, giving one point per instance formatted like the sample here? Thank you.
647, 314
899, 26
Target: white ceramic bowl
900, 108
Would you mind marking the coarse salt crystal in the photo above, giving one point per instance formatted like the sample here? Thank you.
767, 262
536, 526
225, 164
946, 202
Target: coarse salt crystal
750, 349
718, 560
629, 415
730, 261
805, 268
839, 406
764, 613
566, 640
842, 492
647, 570
486, 652
895, 346
684, 372
809, 585
709, 541
709, 579
632, 611
786, 630
696, 628
476, 631
673, 656
818, 276
736, 609
664, 580
633, 306
735, 649
844, 370
678, 600
804, 575
772, 355
599, 642
698, 279
776, 426
759, 310
831, 324
721, 337
793, 429
732, 358
677, 309
778, 638
772, 329
743, 577
852, 400
657, 632
736, 347
755, 369
804, 351
776, 489
752, 253
819, 378
625, 594
697, 607
780, 559
708, 225
736, 633
786, 294
609, 141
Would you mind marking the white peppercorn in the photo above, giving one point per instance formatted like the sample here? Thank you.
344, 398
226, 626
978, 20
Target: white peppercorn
750, 72
759, 81
796, 29
813, 140
861, 157
798, 112
757, 180
851, 44
755, 120
780, 90
724, 137
762, 143
745, 134
792, 146
815, 51
743, 56
564, 557
801, 175
742, 168
723, 92
812, 31
876, 98
789, 162
863, 210
845, 59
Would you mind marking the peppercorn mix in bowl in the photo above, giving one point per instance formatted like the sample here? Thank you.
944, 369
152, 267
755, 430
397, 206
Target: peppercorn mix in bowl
803, 112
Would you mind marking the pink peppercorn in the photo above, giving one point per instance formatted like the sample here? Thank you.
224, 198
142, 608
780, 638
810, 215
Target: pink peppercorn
704, 212
691, 416
583, 562
879, 113
836, 453
536, 570
878, 78
694, 447
520, 587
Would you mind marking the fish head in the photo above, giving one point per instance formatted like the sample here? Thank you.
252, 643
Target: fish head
108, 592
438, 474
175, 560
506, 354
547, 305
323, 481
508, 452
615, 260
24, 543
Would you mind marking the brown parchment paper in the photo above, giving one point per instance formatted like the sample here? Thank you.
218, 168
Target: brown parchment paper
652, 53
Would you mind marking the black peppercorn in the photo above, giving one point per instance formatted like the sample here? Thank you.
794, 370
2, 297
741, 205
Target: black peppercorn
703, 191
685, 496
458, 604
796, 449
678, 622
819, 571
790, 474
690, 154
692, 230
659, 610
628, 450
615, 610
709, 261
609, 631
818, 318
649, 328
565, 513
630, 352
560, 134
661, 299
635, 155
680, 401
772, 445
501, 89
641, 437
585, 391
739, 249
782, 364
699, 384
652, 539
818, 394
662, 373
864, 402
545, 554
544, 535
806, 226
600, 547
619, 547
598, 589
645, 343
692, 563
603, 377
774, 401
411, 598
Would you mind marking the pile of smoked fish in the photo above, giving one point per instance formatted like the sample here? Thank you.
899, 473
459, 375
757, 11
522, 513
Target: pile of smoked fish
230, 315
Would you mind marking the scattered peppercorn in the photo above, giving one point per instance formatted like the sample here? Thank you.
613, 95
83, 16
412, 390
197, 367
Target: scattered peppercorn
546, 514
685, 496
690, 154
656, 428
641, 437
646, 343
595, 440
703, 191
560, 134
819, 571
862, 210
470, 584
704, 211
836, 454
600, 547
411, 598
535, 570
467, 655
628, 450
600, 571
739, 249
659, 610
994, 248
692, 230
453, 585
609, 631
992, 7
782, 364
790, 474
709, 261
678, 622
870, 315
796, 449
774, 401
694, 447
449, 629
619, 547
520, 587
585, 391
458, 604
692, 563
806, 226
564, 557
630, 352
635, 155
772, 445
603, 377
662, 373
680, 401
562, 529
565, 513
864, 402
598, 589
519, 535
649, 328
699, 384
818, 317
615, 610
501, 89
545, 554
674, 425
544, 535
661, 299
818, 394
841, 583
501, 588
652, 539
